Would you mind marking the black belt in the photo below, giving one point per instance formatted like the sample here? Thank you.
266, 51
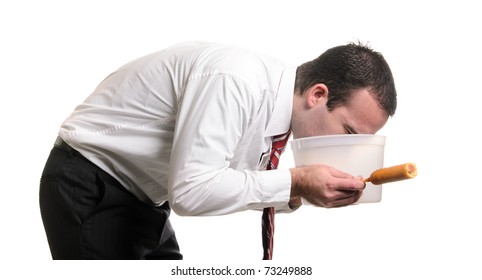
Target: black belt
60, 143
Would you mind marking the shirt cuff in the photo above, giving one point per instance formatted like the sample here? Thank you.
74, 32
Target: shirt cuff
276, 190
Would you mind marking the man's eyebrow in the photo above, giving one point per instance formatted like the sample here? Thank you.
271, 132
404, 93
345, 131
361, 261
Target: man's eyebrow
350, 129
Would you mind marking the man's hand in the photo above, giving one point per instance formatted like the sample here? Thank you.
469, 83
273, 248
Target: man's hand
324, 186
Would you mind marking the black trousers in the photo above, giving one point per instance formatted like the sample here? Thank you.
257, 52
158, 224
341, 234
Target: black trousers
87, 214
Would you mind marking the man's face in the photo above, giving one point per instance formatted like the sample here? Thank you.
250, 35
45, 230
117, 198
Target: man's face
361, 115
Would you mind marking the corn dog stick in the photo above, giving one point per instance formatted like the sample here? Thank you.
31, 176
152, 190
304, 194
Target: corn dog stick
392, 174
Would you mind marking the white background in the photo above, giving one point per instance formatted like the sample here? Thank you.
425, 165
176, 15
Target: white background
54, 53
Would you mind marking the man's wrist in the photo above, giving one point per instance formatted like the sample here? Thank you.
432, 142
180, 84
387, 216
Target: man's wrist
295, 199
295, 203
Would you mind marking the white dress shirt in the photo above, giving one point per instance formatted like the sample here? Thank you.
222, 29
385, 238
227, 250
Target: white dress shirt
189, 125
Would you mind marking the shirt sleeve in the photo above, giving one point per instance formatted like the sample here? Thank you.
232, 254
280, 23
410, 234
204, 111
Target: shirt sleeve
214, 113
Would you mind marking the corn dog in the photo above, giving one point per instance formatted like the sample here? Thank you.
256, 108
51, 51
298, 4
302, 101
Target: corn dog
392, 174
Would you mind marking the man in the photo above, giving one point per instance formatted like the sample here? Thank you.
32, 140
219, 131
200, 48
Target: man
190, 127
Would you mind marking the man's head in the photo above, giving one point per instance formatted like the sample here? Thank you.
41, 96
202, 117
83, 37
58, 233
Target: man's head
347, 89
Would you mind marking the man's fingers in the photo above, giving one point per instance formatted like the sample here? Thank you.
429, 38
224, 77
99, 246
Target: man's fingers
351, 184
345, 199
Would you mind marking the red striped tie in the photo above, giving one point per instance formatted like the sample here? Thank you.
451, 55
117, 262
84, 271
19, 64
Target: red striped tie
278, 146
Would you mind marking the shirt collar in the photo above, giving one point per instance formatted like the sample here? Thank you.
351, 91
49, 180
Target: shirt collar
280, 120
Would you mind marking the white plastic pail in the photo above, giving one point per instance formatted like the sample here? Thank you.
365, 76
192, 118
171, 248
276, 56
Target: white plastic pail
356, 154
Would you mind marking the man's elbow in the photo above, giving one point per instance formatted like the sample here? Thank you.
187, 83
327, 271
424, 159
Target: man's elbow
186, 204
181, 209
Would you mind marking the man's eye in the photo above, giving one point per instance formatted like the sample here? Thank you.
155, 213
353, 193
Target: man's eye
349, 130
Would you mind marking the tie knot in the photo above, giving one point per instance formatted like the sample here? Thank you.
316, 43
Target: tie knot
279, 141
282, 137
278, 146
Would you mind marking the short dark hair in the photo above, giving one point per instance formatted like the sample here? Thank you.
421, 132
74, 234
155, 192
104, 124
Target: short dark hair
346, 68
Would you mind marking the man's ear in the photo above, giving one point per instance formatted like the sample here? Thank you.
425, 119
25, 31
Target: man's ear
316, 94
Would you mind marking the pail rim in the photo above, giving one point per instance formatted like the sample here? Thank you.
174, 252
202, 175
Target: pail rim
337, 140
